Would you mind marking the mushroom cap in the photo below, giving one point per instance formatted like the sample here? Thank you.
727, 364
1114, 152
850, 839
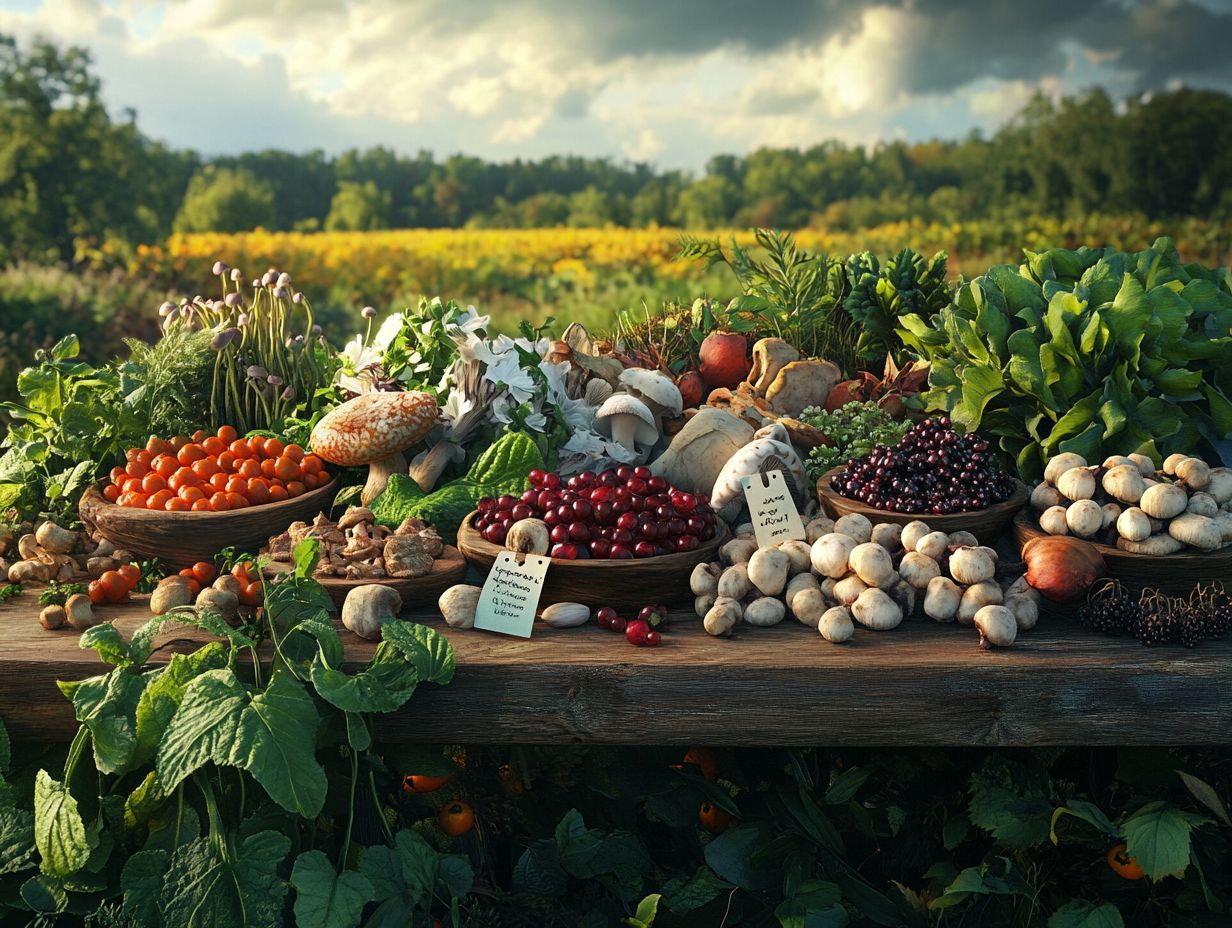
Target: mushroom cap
373, 426
654, 387
622, 404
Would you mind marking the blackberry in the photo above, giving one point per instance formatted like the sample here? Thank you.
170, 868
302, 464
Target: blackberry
1109, 610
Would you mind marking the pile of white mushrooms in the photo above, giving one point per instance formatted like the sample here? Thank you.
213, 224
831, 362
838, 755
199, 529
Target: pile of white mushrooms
850, 572
1125, 501
52, 552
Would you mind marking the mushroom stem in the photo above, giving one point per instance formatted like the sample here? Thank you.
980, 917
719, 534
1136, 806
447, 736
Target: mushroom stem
379, 473
624, 430
426, 468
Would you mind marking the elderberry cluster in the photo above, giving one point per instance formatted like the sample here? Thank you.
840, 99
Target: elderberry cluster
1156, 619
932, 469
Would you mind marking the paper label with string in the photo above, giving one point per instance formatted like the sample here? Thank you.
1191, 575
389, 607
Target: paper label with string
771, 509
511, 593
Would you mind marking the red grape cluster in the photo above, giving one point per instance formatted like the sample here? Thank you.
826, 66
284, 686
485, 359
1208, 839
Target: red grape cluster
932, 469
618, 514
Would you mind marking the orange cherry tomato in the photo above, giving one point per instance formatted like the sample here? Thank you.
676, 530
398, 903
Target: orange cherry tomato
218, 502
252, 594
118, 475
191, 494
239, 448
295, 488
165, 465
193, 586
713, 819
312, 464
190, 453
201, 505
136, 468
268, 467
310, 481
258, 492
236, 484
178, 442
417, 783
115, 587
95, 591
133, 500
131, 574
227, 433
159, 500
205, 468
278, 494
511, 784
273, 448
256, 446
153, 482
131, 454
294, 452
456, 818
214, 446
111, 493
157, 445
240, 572
198, 435
286, 469
237, 500
219, 481
145, 457
704, 760
175, 504
132, 485
226, 462
1124, 866
250, 469
204, 571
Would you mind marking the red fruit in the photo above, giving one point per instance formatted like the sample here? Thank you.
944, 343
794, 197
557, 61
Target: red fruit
536, 477
604, 616
687, 543
692, 389
600, 548
725, 360
645, 549
566, 551
620, 552
653, 639
635, 633
617, 624
495, 534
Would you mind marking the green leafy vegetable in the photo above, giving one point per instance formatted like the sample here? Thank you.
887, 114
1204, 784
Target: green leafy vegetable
855, 429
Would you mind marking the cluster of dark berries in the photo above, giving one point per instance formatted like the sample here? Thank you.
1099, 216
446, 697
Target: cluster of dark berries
1156, 619
642, 632
932, 469
618, 514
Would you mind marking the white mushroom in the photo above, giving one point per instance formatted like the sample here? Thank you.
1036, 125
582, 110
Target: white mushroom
876, 610
912, 533
1202, 504
737, 551
1145, 465
1060, 463
767, 570
458, 605
226, 604
1173, 461
849, 589
55, 540
366, 608
872, 564
565, 615
966, 540
941, 599
1196, 531
1154, 545
888, 535
629, 422
722, 617
1163, 501
657, 391
835, 625
1053, 521
529, 536
1085, 517
933, 545
1134, 524
734, 582
1195, 473
702, 603
53, 617
830, 552
997, 626
855, 526
798, 584
1077, 483
818, 527
704, 580
765, 611
1116, 460
977, 596
808, 606
1109, 513
1124, 482
799, 556
1025, 609
1045, 496
1220, 487
971, 565
918, 569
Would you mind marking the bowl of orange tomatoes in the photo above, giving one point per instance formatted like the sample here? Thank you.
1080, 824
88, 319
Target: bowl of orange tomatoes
182, 499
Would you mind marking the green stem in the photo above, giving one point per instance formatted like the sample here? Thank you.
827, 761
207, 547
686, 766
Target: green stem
380, 812
217, 833
346, 838
75, 752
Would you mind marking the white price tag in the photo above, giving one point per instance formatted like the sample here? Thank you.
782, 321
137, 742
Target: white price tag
771, 508
510, 595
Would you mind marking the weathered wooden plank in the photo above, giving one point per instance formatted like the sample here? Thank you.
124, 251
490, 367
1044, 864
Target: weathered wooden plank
922, 684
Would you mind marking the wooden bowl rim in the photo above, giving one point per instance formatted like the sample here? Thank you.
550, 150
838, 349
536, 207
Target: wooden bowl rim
1024, 523
482, 546
101, 506
451, 558
1016, 501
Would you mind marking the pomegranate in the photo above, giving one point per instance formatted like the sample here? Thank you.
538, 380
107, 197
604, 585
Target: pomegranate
724, 360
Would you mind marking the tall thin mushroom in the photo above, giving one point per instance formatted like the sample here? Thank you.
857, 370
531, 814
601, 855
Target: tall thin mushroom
374, 429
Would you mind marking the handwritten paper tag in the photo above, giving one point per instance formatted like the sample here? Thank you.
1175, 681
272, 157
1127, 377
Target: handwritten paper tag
772, 509
511, 594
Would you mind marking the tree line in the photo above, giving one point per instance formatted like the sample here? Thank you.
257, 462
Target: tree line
74, 175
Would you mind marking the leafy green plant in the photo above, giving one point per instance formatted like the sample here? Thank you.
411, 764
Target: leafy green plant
10, 591
57, 593
877, 296
855, 429
207, 784
1093, 351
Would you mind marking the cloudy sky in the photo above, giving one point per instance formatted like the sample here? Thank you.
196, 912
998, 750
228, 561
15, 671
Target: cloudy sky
668, 81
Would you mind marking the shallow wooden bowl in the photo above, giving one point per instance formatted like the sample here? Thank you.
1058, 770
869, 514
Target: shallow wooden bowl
416, 592
180, 539
625, 585
1174, 574
984, 524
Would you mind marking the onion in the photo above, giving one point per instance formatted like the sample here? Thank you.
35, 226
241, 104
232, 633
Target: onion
1062, 567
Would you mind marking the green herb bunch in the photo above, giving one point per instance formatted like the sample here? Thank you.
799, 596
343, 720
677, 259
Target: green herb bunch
855, 429
270, 357
878, 295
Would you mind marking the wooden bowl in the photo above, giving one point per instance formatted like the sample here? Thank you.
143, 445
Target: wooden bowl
984, 524
619, 584
1174, 574
416, 592
180, 539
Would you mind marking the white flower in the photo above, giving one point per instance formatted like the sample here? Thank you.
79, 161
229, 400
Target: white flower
468, 323
588, 450
457, 404
388, 331
508, 372
537, 421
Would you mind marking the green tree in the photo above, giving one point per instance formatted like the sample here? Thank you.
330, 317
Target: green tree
358, 208
225, 200
708, 203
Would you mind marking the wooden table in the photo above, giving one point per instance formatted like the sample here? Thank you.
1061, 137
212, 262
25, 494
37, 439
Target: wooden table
921, 684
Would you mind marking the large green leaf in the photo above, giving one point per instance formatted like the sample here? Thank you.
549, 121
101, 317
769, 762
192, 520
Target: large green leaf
59, 832
142, 883
106, 641
1157, 837
732, 855
402, 878
1026, 368
271, 734
384, 686
324, 898
427, 649
1082, 914
161, 697
1012, 802
17, 846
980, 386
205, 889
683, 893
1127, 318
107, 706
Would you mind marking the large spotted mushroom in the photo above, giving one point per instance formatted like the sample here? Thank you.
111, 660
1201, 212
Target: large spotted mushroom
374, 429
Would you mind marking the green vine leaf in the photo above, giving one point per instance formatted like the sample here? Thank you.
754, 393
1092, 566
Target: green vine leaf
325, 899
205, 888
271, 734
427, 649
1082, 914
59, 832
402, 878
17, 847
1157, 836
161, 697
385, 686
107, 706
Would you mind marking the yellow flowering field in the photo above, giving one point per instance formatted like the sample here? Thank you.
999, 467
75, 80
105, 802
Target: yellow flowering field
596, 272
